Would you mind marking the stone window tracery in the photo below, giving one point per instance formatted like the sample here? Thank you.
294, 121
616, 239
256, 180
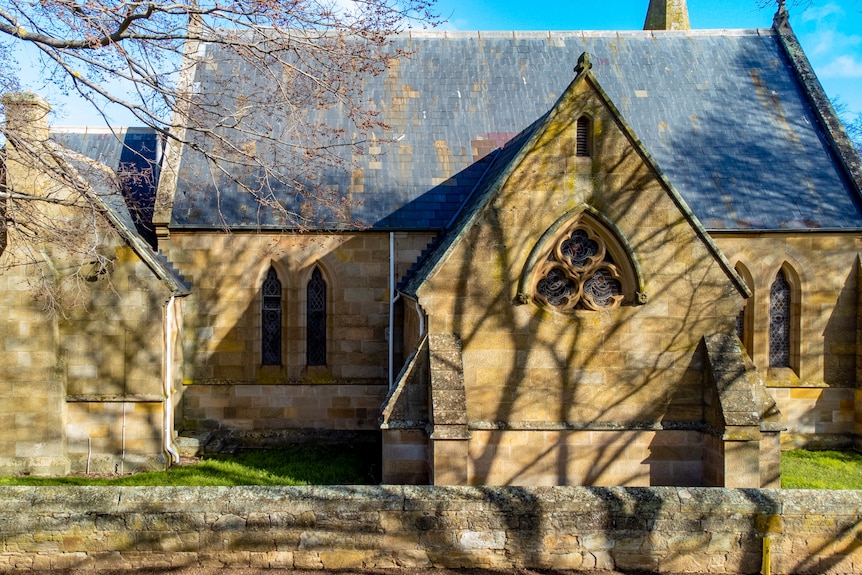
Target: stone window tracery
579, 273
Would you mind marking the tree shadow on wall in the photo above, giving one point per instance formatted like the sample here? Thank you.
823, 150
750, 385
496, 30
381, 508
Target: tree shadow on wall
839, 336
233, 400
642, 399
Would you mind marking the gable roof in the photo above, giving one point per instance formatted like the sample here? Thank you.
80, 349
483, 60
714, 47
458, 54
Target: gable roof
507, 161
717, 110
134, 152
102, 186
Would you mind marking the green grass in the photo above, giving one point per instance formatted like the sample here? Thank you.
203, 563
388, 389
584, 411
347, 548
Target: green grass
297, 465
802, 469
344, 465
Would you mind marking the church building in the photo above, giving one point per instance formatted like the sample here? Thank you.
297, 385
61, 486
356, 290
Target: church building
579, 258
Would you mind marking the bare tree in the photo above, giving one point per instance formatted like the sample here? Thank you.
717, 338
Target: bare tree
851, 123
854, 130
145, 55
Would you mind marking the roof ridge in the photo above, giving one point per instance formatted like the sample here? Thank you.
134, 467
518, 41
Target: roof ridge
836, 135
530, 34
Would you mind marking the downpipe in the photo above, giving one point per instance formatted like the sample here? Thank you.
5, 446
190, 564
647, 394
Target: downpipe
170, 318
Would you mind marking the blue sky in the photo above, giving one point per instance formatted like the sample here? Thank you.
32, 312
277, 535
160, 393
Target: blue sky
829, 30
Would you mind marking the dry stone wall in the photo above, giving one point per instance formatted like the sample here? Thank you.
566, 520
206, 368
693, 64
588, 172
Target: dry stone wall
661, 529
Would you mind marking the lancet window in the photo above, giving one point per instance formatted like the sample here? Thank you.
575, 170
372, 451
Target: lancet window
580, 273
743, 318
779, 321
316, 319
271, 320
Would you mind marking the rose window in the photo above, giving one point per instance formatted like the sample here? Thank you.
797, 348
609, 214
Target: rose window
579, 273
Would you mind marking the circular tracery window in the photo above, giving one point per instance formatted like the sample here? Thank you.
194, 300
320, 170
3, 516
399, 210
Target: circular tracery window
579, 273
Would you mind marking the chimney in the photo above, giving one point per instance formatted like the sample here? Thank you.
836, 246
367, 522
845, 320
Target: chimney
26, 116
26, 123
667, 15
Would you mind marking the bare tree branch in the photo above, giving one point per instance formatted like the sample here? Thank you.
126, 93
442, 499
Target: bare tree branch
148, 57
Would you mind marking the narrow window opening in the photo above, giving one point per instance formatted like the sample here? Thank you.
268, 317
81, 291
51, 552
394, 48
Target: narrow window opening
743, 318
271, 320
583, 137
316, 320
779, 322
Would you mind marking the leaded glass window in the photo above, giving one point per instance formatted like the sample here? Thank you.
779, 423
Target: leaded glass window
579, 273
271, 320
779, 322
557, 288
579, 248
316, 319
601, 287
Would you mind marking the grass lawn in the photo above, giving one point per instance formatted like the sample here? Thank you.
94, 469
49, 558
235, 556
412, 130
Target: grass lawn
297, 465
802, 469
345, 465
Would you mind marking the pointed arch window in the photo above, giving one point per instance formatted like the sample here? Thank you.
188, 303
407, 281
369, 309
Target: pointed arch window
584, 269
271, 320
316, 319
582, 137
744, 319
779, 321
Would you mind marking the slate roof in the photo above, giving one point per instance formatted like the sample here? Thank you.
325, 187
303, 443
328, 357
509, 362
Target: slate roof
722, 113
100, 181
502, 165
135, 151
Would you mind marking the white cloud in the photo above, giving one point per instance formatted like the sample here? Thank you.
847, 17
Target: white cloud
819, 13
828, 30
842, 67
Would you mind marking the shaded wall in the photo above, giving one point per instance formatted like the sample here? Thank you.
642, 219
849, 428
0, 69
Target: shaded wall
680, 530
226, 387
83, 387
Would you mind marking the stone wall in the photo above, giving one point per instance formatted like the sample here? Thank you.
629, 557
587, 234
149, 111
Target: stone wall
696, 530
816, 417
81, 353
223, 315
571, 395
816, 395
244, 408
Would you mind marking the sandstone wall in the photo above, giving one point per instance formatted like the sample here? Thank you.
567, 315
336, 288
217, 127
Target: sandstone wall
112, 353
696, 530
605, 383
223, 315
83, 387
566, 457
816, 394
226, 386
269, 407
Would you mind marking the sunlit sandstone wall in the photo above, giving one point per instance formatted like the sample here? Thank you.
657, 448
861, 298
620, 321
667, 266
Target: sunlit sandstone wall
817, 395
689, 530
226, 385
611, 397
